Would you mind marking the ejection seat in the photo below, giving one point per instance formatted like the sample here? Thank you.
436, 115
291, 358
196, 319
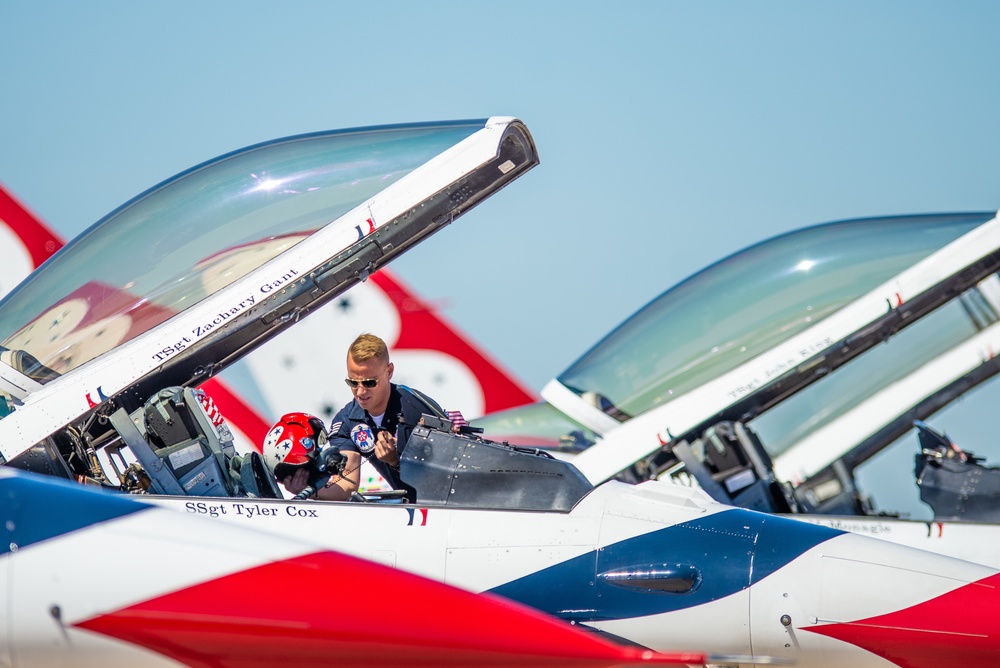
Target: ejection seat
185, 451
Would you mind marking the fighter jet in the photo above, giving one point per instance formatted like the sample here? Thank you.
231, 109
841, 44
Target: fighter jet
771, 377
107, 345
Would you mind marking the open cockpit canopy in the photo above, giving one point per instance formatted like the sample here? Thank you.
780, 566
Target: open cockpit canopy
189, 276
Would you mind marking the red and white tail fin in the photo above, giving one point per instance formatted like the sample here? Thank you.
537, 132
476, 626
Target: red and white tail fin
26, 242
423, 329
301, 370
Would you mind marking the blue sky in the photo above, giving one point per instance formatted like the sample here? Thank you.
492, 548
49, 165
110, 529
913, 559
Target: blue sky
670, 133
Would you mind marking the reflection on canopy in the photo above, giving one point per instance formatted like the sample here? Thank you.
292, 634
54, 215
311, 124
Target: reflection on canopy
191, 236
750, 302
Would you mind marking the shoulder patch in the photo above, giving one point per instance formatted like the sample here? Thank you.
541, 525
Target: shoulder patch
362, 437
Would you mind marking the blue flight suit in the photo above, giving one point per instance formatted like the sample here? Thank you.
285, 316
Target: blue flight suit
354, 430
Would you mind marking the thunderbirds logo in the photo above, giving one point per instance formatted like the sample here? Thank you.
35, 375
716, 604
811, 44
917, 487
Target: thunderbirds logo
362, 437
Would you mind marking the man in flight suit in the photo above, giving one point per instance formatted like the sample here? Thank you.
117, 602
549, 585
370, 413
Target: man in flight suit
367, 426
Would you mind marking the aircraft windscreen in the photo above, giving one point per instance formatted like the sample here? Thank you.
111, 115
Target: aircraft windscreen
750, 302
193, 235
536, 425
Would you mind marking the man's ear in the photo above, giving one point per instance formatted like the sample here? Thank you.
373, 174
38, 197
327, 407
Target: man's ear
390, 368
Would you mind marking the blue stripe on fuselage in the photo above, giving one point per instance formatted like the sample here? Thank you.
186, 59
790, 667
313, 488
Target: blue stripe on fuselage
731, 550
34, 508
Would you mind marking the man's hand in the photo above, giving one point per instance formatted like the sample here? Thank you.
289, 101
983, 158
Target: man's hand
296, 482
385, 448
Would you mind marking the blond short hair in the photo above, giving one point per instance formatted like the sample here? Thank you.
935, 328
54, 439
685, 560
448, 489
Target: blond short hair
367, 347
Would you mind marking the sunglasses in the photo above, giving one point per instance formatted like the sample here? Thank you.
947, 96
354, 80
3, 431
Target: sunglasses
367, 382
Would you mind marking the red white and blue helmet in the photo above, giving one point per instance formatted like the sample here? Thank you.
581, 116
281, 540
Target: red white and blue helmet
294, 440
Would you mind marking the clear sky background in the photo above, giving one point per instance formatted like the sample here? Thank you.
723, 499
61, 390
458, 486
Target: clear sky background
670, 133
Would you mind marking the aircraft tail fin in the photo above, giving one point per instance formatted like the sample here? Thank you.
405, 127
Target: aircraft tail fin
423, 328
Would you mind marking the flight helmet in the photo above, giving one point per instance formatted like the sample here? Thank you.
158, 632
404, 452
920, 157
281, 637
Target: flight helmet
294, 440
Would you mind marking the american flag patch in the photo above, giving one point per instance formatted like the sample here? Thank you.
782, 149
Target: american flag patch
457, 419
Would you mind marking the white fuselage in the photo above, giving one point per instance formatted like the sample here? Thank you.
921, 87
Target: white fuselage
756, 584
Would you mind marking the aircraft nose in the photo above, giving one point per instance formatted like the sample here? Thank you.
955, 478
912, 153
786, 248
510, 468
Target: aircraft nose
957, 628
910, 607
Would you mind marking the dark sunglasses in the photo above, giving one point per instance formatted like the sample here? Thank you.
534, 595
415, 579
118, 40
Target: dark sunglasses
367, 382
